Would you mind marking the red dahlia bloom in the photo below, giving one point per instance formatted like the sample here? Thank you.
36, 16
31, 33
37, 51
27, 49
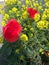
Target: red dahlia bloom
12, 30
32, 12
47, 53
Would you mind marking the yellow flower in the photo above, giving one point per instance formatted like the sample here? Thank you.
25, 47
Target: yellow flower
47, 4
42, 24
48, 15
44, 16
31, 35
30, 3
40, 8
47, 10
3, 23
9, 2
25, 14
29, 26
37, 17
22, 57
14, 9
1, 40
10, 11
0, 6
6, 17
35, 4
46, 24
18, 13
25, 29
42, 53
17, 51
24, 37
27, 2
19, 2
2, 12
41, 50
31, 29
23, 6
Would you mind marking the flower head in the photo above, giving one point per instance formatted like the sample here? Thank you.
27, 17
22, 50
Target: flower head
14, 9
24, 37
3, 23
1, 39
42, 24
6, 17
47, 53
36, 17
12, 31
10, 2
25, 15
32, 12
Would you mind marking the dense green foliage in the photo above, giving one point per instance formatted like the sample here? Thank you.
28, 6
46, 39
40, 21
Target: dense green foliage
28, 52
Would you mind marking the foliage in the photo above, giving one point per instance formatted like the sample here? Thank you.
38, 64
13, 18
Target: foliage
34, 40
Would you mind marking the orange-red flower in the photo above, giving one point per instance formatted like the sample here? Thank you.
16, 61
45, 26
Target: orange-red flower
12, 31
32, 12
47, 53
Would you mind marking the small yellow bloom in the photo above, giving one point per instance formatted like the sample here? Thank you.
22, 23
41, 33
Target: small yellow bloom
29, 26
40, 24
42, 53
44, 16
10, 2
17, 51
6, 17
14, 9
18, 13
19, 2
48, 15
31, 29
3, 23
35, 4
10, 11
27, 2
22, 57
2, 12
1, 40
25, 14
23, 6
25, 29
31, 35
0, 6
37, 17
24, 37
46, 24
41, 50
47, 3
40, 8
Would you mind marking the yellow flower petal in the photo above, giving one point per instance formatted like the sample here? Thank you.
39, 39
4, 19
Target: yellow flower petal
24, 37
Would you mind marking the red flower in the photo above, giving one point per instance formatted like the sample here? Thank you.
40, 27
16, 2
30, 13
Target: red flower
47, 53
12, 30
32, 12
